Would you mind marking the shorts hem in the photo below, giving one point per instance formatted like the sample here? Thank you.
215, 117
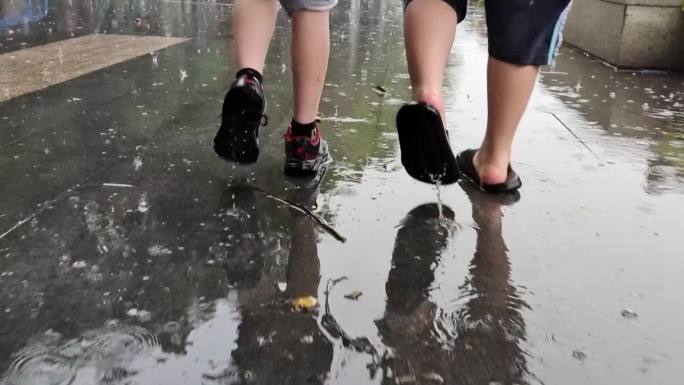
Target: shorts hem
538, 60
313, 9
459, 6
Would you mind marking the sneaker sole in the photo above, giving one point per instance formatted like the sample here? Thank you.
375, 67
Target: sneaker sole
243, 142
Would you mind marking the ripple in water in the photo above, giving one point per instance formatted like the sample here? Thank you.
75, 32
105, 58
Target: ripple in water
98, 356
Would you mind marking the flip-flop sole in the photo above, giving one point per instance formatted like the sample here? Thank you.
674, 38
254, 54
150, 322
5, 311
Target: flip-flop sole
425, 151
464, 160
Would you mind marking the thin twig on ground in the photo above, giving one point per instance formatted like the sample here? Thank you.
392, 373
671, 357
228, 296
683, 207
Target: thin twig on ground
302, 209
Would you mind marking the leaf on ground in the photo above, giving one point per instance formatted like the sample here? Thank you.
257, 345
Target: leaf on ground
304, 304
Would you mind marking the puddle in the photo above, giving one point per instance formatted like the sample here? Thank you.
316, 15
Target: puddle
129, 266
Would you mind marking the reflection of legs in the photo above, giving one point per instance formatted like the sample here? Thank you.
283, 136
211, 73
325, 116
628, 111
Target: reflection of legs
253, 26
509, 87
303, 266
421, 239
408, 323
490, 267
276, 345
310, 51
429, 30
494, 308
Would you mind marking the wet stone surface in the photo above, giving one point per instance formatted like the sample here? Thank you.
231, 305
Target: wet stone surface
130, 254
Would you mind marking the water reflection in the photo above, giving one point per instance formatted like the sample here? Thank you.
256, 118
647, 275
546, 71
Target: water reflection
103, 355
640, 109
151, 255
29, 23
275, 344
477, 342
21, 12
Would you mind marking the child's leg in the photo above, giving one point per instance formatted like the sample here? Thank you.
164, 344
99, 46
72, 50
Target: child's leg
429, 31
238, 136
509, 87
310, 51
253, 26
515, 56
305, 151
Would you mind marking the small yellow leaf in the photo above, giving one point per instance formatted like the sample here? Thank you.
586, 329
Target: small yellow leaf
304, 304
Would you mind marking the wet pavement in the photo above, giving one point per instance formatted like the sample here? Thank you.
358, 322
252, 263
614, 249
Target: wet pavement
130, 254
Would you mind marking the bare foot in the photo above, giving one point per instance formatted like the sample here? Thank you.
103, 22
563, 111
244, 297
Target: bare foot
434, 99
491, 169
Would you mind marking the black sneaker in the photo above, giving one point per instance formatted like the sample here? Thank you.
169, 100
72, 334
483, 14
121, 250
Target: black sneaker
305, 155
243, 113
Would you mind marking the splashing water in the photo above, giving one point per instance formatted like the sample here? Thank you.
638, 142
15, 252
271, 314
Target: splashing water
438, 185
105, 355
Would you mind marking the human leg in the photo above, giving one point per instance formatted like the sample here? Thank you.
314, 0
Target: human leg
509, 87
253, 26
515, 56
305, 150
429, 30
310, 51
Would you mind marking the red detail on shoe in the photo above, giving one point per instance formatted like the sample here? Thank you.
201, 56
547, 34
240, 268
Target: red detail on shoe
316, 137
303, 148
313, 141
246, 80
288, 134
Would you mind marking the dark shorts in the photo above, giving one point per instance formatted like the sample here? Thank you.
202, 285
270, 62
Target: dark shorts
521, 31
308, 5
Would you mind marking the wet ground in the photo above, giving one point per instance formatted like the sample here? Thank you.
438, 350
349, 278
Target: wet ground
130, 254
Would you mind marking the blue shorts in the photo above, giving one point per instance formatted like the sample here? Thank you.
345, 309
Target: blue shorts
524, 32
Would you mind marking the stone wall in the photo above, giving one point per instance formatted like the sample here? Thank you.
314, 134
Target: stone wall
629, 33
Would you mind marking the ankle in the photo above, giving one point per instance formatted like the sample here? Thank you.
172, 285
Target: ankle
303, 129
433, 98
491, 166
251, 72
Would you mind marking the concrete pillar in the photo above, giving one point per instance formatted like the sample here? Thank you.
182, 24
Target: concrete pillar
629, 33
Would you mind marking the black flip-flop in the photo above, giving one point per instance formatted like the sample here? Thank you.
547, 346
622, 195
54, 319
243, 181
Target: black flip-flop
467, 168
425, 151
478, 196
